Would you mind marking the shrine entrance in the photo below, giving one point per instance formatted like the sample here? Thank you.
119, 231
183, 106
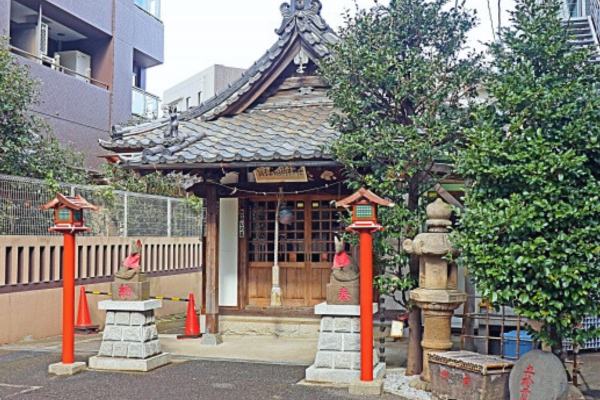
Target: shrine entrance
305, 253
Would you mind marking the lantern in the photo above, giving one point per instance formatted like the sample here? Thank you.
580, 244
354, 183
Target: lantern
286, 215
68, 213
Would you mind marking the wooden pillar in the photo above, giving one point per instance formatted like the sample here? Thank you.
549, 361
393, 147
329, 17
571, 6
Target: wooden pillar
212, 260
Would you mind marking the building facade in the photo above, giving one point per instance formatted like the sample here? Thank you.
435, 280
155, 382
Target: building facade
91, 58
200, 87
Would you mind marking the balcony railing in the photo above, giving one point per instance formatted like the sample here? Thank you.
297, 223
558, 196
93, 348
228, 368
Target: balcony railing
143, 104
54, 63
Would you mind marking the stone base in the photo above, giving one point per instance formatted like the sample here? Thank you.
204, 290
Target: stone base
61, 369
129, 364
330, 375
373, 388
212, 339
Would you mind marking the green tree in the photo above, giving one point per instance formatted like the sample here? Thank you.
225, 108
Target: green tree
530, 233
26, 148
399, 75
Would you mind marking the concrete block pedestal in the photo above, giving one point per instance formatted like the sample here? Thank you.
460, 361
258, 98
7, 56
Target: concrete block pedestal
130, 339
338, 351
61, 369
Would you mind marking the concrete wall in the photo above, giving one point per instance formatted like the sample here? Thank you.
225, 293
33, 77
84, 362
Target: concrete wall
38, 314
77, 111
94, 12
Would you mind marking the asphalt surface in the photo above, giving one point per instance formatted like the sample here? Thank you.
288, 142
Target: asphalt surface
24, 375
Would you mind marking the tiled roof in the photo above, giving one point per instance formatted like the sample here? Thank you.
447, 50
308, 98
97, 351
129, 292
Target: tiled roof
263, 133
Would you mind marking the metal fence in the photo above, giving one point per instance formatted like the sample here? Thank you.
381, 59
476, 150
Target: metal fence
121, 213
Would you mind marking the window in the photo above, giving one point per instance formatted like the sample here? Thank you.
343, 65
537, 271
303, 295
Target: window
199, 98
188, 100
150, 6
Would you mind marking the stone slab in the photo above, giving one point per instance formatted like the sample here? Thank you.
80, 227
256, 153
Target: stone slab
360, 388
327, 375
61, 369
130, 291
117, 305
350, 311
211, 339
129, 364
540, 374
343, 294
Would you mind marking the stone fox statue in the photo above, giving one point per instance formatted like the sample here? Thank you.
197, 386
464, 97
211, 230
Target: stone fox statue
345, 268
131, 265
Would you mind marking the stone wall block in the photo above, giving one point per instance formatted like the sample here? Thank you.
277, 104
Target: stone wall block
113, 333
106, 349
326, 324
324, 359
342, 361
330, 341
342, 325
136, 350
151, 348
122, 318
150, 317
110, 318
138, 319
133, 334
120, 349
149, 333
351, 342
355, 325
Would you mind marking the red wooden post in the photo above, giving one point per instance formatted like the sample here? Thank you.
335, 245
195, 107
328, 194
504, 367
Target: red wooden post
68, 339
366, 305
364, 222
68, 220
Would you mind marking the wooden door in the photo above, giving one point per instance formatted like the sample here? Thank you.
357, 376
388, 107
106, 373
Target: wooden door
305, 252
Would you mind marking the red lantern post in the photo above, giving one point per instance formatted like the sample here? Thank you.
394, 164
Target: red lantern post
68, 220
364, 222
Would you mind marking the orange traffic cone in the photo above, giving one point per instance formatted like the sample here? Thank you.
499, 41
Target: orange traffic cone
192, 327
84, 326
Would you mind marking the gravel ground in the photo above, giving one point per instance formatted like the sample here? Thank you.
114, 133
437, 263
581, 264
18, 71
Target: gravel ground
397, 383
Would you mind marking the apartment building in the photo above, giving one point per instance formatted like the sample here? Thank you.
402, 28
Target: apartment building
202, 86
91, 57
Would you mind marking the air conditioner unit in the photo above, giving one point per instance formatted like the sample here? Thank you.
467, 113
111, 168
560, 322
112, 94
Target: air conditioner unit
44, 39
76, 61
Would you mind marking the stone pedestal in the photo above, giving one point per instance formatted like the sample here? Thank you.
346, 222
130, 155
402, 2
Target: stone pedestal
130, 339
338, 352
343, 293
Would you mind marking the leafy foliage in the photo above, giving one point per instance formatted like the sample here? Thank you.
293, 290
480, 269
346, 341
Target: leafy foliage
154, 183
530, 234
26, 148
399, 75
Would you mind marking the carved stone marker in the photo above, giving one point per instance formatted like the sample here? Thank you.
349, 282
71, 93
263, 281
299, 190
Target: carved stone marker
343, 287
538, 375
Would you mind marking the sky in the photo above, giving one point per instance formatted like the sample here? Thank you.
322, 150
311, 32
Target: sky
235, 33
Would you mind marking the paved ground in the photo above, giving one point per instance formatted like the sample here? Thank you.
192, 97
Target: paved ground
244, 367
24, 376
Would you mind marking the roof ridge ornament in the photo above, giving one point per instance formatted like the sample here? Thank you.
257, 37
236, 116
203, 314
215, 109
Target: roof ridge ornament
309, 9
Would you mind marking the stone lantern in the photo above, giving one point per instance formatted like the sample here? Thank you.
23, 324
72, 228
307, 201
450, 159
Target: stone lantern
437, 295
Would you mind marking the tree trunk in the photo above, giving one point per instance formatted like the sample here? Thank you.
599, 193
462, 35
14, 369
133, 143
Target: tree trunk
414, 363
557, 349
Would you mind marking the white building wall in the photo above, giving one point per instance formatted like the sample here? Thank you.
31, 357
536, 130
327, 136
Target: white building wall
200, 87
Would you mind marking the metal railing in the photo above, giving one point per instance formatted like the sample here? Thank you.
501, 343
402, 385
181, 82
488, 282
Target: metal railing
152, 7
595, 13
54, 63
144, 104
121, 213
